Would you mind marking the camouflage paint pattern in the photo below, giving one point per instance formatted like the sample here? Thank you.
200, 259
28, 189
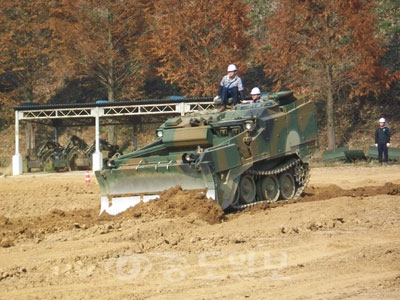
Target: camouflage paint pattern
220, 148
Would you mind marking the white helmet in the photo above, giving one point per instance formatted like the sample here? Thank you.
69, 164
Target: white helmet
382, 120
255, 91
232, 68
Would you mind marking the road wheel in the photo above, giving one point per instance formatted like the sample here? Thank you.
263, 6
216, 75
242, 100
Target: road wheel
268, 188
287, 185
247, 189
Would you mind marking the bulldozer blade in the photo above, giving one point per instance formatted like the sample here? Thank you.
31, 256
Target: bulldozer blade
120, 204
125, 188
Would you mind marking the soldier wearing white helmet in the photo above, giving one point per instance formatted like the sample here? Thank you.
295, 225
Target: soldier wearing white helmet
231, 86
255, 95
382, 141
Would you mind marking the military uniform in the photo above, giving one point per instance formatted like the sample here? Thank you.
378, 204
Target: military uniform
382, 139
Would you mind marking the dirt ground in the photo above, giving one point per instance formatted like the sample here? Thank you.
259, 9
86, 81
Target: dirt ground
340, 240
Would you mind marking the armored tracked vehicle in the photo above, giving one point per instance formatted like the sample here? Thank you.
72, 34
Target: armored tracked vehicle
255, 152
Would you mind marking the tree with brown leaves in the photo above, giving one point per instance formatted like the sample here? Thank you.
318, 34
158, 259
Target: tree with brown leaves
325, 47
194, 41
25, 60
99, 41
26, 41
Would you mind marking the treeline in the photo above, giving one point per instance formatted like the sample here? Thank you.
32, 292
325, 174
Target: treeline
343, 53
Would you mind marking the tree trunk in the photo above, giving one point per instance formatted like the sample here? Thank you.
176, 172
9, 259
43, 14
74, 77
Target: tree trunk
29, 138
330, 112
112, 129
29, 133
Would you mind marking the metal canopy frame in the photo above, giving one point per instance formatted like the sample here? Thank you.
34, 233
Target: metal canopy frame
99, 114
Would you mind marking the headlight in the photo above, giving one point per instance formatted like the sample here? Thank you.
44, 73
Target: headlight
160, 133
190, 157
111, 163
249, 126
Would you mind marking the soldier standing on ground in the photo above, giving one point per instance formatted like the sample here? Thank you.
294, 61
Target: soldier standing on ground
382, 141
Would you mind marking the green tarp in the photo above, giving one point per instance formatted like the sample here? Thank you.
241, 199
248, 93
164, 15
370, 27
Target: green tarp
343, 154
394, 153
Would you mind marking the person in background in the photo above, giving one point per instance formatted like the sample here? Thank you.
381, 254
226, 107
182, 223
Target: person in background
382, 141
231, 86
255, 95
